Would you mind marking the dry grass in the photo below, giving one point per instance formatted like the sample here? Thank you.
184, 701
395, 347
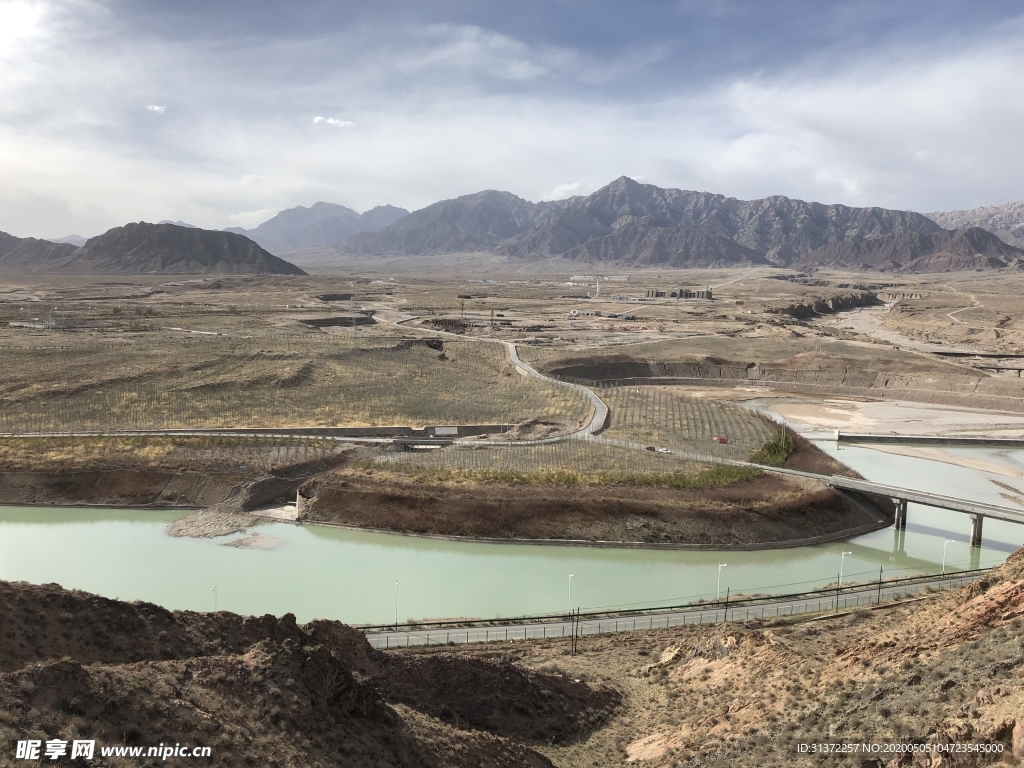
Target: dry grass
579, 456
224, 453
268, 382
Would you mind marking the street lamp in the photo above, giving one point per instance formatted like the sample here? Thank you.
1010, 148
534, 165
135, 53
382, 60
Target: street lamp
944, 544
718, 595
841, 559
570, 593
214, 590
396, 603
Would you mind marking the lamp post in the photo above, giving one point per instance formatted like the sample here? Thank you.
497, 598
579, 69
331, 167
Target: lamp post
944, 545
396, 603
718, 593
841, 559
214, 590
570, 593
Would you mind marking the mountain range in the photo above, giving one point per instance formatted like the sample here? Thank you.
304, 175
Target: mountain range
624, 223
141, 248
320, 224
629, 223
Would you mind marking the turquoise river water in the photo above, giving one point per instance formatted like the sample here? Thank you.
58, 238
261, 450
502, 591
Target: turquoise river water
320, 572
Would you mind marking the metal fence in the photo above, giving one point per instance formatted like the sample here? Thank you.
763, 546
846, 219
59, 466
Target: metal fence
742, 610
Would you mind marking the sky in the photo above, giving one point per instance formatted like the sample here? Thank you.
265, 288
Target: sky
223, 113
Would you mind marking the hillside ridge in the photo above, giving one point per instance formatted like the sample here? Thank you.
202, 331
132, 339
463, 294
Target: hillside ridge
143, 248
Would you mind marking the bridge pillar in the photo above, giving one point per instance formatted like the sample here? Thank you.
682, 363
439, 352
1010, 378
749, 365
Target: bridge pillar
899, 542
901, 514
976, 523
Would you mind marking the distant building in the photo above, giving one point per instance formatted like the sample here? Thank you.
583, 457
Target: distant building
686, 293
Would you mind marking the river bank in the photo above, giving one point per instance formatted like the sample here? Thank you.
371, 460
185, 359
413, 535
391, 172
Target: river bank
718, 507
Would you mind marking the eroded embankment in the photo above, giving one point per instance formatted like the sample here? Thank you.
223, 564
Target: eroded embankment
120, 487
768, 511
722, 508
917, 380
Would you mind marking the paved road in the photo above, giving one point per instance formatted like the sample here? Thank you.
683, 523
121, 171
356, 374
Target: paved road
597, 421
533, 630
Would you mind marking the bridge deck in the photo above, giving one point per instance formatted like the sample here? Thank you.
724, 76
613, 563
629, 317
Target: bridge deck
995, 511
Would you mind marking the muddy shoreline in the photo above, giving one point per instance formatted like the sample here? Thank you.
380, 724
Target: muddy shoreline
765, 513
654, 518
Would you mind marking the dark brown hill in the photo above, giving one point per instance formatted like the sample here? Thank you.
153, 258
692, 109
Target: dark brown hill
141, 248
267, 691
30, 252
944, 251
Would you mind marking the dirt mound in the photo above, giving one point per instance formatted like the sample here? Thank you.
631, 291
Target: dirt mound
498, 697
267, 690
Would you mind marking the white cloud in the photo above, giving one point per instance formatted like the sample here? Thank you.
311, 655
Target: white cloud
563, 191
451, 110
333, 121
156, 108
252, 219
20, 23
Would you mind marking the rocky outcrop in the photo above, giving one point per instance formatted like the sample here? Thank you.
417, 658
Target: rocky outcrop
827, 305
1006, 221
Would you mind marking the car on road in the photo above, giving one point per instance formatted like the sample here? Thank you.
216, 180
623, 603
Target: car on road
664, 450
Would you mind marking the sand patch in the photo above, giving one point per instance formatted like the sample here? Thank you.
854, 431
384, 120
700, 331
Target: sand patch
830, 413
286, 512
255, 541
207, 524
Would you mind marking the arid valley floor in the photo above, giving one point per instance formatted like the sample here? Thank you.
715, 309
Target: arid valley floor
381, 345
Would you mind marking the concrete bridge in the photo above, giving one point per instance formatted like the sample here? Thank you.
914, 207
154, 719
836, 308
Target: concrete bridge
973, 441
978, 510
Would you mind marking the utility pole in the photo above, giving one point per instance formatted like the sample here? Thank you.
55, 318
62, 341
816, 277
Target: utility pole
946, 543
718, 593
